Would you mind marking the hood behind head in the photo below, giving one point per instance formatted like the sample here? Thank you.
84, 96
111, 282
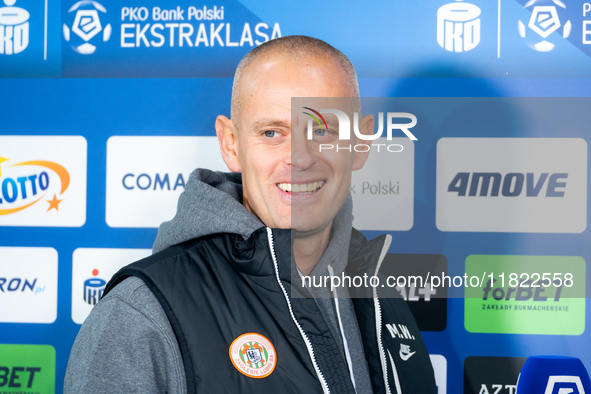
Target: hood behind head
210, 204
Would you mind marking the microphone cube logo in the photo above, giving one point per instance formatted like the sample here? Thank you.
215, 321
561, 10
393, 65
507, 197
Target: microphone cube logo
458, 27
564, 385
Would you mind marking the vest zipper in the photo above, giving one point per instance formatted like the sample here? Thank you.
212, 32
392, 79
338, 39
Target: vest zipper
302, 332
345, 344
378, 310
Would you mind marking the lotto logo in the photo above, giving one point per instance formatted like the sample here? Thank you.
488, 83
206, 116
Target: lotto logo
43, 181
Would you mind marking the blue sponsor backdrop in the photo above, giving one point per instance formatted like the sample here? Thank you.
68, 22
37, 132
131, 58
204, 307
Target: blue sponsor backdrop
169, 73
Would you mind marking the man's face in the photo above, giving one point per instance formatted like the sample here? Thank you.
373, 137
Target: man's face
287, 182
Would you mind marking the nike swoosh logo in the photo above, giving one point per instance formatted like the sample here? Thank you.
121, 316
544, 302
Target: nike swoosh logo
405, 356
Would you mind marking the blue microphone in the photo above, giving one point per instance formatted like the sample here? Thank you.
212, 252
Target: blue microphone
553, 375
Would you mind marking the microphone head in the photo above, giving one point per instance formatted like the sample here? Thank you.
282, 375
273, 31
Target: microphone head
553, 375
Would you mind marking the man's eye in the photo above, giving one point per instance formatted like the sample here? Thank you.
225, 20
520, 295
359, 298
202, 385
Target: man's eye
270, 133
320, 132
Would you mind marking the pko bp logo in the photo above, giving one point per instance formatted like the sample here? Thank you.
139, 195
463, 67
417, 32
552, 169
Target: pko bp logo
545, 20
86, 26
253, 355
14, 29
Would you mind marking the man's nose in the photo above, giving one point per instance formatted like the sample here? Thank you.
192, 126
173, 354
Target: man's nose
302, 154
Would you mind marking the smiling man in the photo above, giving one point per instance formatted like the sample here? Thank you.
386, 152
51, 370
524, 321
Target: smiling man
216, 308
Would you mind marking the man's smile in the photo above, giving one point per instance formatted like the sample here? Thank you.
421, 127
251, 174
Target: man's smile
305, 188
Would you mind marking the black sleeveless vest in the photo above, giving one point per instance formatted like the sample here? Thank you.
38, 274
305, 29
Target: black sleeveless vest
239, 330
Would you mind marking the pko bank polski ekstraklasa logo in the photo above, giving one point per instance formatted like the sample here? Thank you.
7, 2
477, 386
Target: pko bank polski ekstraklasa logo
42, 181
190, 27
14, 28
545, 19
86, 26
458, 26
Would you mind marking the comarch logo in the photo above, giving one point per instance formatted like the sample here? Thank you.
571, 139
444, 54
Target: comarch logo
14, 29
42, 181
458, 27
543, 22
86, 25
146, 175
536, 185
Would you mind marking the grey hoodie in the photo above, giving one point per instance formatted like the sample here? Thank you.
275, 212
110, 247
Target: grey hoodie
127, 344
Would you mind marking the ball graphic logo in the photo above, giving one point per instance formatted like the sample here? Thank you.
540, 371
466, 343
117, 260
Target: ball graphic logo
543, 22
14, 29
458, 27
86, 26
253, 355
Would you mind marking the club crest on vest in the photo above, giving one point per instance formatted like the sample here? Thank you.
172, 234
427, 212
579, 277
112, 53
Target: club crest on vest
253, 355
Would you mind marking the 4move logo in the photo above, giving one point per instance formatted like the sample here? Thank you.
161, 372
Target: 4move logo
42, 181
512, 185
85, 26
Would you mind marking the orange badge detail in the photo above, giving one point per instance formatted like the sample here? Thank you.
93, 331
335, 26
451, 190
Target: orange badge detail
253, 355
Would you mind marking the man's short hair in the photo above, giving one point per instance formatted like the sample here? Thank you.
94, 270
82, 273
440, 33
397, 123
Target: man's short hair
294, 48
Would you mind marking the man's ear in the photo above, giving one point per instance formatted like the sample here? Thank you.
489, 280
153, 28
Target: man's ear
366, 128
228, 139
